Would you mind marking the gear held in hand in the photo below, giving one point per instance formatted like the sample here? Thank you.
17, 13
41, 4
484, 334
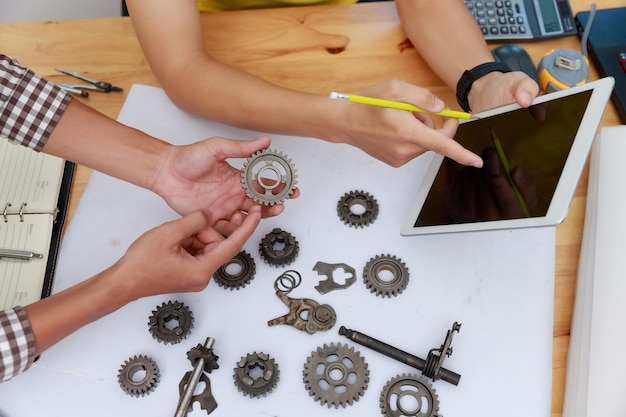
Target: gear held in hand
269, 177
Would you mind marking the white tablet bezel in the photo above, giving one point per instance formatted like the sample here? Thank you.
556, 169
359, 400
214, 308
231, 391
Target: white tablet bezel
566, 186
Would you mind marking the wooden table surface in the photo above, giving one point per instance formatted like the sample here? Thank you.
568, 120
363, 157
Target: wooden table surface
314, 49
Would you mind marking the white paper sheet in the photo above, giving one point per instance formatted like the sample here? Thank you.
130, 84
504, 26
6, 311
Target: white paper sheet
498, 285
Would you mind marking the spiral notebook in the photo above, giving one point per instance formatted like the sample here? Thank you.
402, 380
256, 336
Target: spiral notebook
34, 193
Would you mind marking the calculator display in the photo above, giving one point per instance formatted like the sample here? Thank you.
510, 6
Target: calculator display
551, 21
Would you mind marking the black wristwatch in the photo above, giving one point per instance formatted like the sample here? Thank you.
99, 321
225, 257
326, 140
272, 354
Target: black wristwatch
469, 76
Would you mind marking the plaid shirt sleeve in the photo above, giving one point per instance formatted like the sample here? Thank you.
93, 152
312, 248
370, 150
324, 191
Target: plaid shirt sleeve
30, 106
17, 343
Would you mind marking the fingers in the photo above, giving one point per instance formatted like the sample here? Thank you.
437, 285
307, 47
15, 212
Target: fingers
233, 148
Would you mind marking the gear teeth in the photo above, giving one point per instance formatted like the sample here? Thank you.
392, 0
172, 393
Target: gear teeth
236, 281
130, 384
354, 199
284, 171
386, 288
417, 387
335, 358
251, 385
279, 257
172, 310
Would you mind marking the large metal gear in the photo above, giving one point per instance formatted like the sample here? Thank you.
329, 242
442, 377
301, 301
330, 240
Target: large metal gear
357, 208
409, 395
336, 375
256, 374
237, 272
269, 177
279, 248
386, 275
138, 376
171, 322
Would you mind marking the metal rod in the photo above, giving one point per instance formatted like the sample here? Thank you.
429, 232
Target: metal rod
397, 354
183, 405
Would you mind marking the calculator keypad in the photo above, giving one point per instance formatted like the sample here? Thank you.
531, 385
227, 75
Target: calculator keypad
500, 19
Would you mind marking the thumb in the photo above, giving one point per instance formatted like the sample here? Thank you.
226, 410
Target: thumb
232, 148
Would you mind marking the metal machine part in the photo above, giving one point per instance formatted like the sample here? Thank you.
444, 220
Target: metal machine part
409, 395
269, 177
404, 357
256, 374
305, 314
287, 281
336, 375
171, 322
202, 359
237, 272
386, 275
279, 248
138, 376
329, 284
435, 358
357, 208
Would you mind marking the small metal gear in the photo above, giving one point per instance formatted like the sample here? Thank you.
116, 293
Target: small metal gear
128, 376
279, 248
409, 395
336, 375
171, 322
237, 272
256, 374
375, 279
269, 177
357, 208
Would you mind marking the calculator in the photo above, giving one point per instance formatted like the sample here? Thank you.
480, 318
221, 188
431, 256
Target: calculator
523, 20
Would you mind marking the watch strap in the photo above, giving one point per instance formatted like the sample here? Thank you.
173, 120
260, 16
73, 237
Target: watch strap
464, 85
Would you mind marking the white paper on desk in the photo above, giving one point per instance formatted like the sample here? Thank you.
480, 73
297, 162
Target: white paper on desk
596, 364
498, 285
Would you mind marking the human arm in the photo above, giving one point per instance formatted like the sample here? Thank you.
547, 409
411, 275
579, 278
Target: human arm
206, 87
178, 256
38, 114
446, 34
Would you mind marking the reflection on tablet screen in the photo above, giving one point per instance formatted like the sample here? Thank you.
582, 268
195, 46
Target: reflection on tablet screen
524, 152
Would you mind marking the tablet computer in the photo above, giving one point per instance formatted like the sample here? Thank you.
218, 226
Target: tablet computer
533, 159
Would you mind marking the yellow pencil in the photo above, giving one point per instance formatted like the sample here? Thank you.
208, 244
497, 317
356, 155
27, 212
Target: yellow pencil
395, 105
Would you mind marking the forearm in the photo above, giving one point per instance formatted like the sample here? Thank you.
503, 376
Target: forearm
445, 33
90, 138
56, 317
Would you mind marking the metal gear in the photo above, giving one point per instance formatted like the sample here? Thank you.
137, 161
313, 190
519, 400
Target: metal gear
409, 395
336, 375
357, 208
374, 275
279, 248
256, 374
164, 316
237, 272
269, 177
128, 376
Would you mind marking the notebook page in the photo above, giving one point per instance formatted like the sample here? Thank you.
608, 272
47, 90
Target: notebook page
28, 177
21, 282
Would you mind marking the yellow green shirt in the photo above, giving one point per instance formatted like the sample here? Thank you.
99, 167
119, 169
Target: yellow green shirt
221, 5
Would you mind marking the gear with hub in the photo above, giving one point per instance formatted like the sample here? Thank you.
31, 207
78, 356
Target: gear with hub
357, 208
279, 248
138, 376
409, 395
336, 375
171, 322
256, 374
237, 272
269, 177
386, 275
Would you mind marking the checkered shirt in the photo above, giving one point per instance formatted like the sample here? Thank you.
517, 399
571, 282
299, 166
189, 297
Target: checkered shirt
30, 106
17, 343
